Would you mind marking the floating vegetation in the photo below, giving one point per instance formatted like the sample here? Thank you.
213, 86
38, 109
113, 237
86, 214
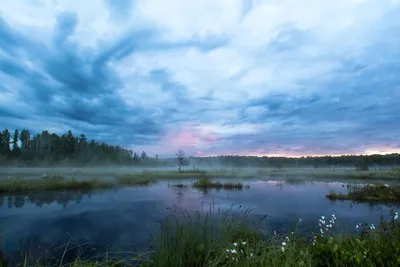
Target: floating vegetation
178, 185
369, 193
206, 183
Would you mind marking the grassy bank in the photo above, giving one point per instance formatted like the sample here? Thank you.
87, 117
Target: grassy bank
131, 175
391, 174
224, 239
49, 182
369, 193
175, 175
255, 173
57, 181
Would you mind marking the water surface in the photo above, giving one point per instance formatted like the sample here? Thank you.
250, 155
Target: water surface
123, 219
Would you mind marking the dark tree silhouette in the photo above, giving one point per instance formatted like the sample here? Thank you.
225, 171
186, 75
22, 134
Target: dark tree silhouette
45, 149
181, 160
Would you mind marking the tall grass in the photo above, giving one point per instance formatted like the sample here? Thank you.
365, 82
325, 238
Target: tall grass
212, 240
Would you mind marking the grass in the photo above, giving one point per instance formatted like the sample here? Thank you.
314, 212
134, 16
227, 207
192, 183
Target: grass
56, 182
244, 173
228, 238
206, 183
49, 183
163, 175
369, 193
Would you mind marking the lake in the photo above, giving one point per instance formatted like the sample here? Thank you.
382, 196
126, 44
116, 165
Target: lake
123, 219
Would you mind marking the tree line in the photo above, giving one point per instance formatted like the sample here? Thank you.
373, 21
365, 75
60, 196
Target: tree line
49, 149
44, 149
359, 162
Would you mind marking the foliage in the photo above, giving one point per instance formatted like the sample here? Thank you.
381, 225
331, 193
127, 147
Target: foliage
51, 149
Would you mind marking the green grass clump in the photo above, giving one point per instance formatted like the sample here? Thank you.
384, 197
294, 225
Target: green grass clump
369, 193
49, 183
206, 183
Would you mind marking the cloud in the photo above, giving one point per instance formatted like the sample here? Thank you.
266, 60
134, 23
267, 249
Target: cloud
226, 77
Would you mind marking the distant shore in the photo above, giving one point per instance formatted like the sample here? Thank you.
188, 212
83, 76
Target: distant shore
171, 173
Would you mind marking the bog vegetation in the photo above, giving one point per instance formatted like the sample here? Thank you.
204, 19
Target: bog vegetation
369, 193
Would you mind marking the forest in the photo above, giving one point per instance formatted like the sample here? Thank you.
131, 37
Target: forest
23, 148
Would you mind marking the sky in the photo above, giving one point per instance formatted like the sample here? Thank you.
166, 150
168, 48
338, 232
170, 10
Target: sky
243, 77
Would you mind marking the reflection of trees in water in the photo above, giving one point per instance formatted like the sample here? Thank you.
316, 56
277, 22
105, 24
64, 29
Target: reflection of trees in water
180, 195
41, 198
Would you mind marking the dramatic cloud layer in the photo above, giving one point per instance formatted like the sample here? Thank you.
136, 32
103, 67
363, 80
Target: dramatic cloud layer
210, 77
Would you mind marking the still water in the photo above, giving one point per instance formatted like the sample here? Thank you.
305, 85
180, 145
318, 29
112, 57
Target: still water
123, 219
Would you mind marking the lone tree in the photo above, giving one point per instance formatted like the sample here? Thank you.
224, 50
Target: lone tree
181, 160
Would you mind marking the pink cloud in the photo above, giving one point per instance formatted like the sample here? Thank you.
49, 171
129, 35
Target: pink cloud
181, 140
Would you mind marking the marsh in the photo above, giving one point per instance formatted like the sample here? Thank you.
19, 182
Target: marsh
122, 219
